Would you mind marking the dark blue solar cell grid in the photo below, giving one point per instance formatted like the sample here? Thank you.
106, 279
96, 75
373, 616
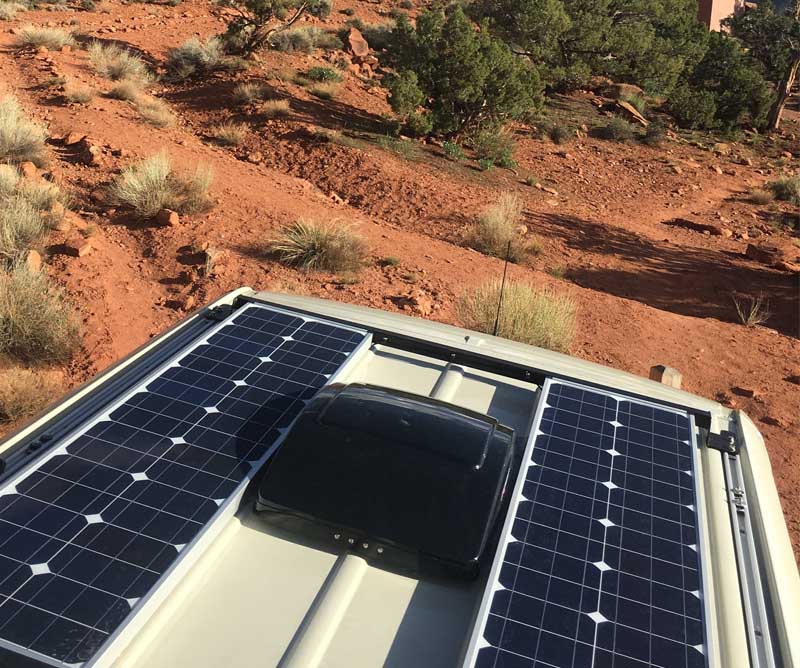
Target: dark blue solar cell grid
89, 532
601, 569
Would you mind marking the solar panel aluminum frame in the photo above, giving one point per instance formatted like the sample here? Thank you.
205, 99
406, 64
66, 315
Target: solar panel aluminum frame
109, 651
473, 645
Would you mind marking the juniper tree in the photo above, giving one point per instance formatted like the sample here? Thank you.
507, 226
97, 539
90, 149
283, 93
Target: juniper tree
257, 21
460, 75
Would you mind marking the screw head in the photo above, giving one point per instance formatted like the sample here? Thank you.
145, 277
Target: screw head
337, 536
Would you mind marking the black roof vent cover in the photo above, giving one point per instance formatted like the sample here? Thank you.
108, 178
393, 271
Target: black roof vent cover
402, 479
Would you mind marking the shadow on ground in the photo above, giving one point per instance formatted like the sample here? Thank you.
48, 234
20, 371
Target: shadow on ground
696, 282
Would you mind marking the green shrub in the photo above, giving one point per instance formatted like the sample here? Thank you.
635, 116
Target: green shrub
786, 189
485, 164
36, 323
453, 151
495, 145
323, 74
618, 129
725, 89
561, 134
464, 78
21, 140
304, 40
195, 57
655, 134
311, 245
151, 185
530, 315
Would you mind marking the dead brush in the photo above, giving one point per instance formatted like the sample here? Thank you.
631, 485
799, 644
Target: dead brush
250, 92
113, 62
497, 227
752, 310
25, 392
275, 108
126, 90
31, 36
79, 94
21, 140
311, 245
152, 185
36, 322
24, 212
528, 314
230, 134
155, 112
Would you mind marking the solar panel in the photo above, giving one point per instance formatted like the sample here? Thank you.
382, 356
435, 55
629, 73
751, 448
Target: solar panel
89, 530
597, 564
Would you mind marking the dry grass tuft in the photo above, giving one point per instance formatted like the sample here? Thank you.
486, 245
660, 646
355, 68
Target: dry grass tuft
23, 211
497, 227
113, 62
275, 108
310, 245
25, 392
324, 91
21, 140
530, 315
195, 57
9, 10
155, 112
752, 311
126, 90
230, 134
36, 323
250, 92
79, 94
760, 196
151, 185
36, 36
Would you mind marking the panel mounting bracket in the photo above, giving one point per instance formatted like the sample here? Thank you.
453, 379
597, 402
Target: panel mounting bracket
725, 441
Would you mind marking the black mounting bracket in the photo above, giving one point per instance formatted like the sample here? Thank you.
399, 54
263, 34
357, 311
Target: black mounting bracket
725, 442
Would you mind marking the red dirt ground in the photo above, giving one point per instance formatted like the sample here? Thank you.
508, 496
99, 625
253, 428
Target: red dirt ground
648, 292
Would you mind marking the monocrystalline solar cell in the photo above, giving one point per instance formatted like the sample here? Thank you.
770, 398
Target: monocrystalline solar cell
87, 532
598, 564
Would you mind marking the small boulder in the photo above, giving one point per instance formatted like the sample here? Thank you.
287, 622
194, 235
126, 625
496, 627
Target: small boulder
666, 375
28, 170
74, 138
33, 261
358, 44
77, 246
618, 90
765, 253
168, 217
255, 157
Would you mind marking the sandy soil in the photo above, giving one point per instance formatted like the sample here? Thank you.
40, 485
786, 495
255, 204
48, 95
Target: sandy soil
649, 291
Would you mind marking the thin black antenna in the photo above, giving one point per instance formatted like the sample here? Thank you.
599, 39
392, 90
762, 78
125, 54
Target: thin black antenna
502, 289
